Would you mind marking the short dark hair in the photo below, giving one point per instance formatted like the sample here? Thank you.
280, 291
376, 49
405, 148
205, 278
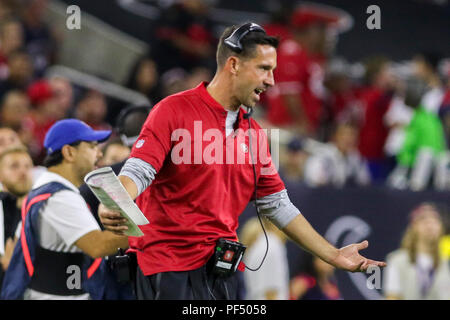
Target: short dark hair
249, 42
56, 157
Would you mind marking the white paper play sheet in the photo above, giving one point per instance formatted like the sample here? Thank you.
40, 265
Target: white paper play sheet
107, 188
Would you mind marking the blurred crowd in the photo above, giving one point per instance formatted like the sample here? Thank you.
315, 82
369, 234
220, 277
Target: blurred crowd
377, 121
372, 122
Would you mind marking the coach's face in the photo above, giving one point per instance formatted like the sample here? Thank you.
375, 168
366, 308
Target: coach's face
255, 74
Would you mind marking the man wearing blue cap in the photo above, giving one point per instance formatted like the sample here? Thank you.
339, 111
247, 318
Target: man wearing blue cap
58, 231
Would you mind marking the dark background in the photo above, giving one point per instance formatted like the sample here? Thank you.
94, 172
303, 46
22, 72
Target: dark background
407, 26
385, 211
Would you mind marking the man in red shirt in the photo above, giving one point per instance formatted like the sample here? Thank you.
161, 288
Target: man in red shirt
198, 190
295, 101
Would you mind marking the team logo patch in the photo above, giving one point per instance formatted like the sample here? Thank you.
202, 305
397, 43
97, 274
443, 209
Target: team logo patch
140, 143
244, 148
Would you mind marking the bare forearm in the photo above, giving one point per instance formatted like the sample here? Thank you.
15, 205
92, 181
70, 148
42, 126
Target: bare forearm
101, 243
302, 233
111, 243
130, 186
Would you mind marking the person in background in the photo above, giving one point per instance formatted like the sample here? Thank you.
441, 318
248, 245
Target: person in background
376, 95
419, 158
58, 229
92, 109
197, 75
8, 8
183, 36
295, 101
278, 24
341, 103
114, 152
62, 94
20, 73
425, 66
293, 161
16, 178
128, 125
316, 281
44, 113
417, 271
11, 39
173, 81
9, 139
338, 163
144, 78
271, 281
14, 109
40, 40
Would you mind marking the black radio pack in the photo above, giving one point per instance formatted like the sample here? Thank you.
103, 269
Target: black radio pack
124, 266
227, 256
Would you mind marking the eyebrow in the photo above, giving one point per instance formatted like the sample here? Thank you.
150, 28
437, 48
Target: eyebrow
267, 66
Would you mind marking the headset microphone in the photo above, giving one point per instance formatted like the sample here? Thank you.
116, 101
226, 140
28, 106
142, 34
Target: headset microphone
249, 113
255, 194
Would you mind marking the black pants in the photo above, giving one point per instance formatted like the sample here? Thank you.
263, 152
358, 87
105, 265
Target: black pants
196, 284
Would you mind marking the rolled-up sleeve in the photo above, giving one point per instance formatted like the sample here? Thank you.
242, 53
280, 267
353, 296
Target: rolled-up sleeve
278, 208
141, 172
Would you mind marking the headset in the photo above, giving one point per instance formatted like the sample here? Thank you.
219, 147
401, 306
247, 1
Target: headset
120, 122
234, 43
234, 40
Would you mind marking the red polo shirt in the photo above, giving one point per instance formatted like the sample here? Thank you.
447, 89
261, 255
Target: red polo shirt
193, 202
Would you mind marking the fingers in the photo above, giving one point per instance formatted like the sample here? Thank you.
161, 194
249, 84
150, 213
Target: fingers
117, 230
108, 213
362, 245
377, 263
360, 266
112, 220
367, 263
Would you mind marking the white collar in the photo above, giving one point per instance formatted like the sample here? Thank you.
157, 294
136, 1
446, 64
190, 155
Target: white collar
48, 177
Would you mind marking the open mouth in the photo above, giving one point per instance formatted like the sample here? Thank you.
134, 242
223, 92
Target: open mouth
259, 91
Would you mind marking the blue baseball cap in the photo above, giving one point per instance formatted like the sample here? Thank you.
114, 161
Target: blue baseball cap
69, 131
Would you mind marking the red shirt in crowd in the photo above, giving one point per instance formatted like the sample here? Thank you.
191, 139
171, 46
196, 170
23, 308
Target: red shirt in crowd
279, 30
298, 73
191, 206
373, 131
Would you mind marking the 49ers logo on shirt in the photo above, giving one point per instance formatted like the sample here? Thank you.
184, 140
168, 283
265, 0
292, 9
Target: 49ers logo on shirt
140, 143
228, 256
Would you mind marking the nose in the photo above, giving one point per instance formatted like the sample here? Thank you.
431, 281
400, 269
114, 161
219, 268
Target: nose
270, 81
23, 171
99, 153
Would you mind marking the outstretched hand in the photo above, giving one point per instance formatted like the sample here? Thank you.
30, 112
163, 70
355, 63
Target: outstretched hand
349, 258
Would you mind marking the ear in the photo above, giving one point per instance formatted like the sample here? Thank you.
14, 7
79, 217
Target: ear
68, 153
233, 64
